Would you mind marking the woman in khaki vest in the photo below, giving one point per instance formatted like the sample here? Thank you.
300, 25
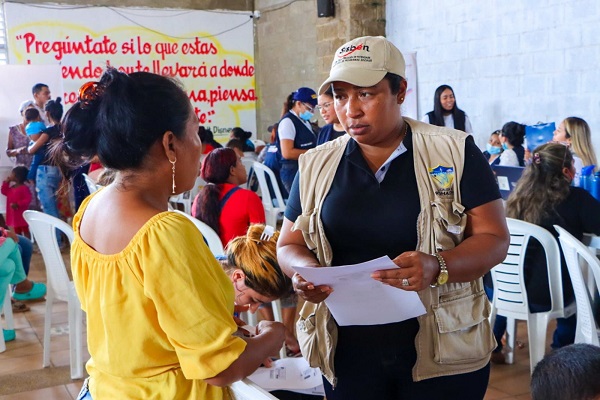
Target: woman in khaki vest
424, 196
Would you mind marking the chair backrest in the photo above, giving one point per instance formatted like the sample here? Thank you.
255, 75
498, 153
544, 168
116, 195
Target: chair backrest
510, 295
214, 241
91, 185
249, 165
43, 227
273, 206
185, 199
575, 252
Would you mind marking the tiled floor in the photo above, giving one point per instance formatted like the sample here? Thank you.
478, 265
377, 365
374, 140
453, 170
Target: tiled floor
25, 354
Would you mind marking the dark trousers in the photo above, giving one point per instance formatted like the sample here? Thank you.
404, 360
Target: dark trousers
375, 362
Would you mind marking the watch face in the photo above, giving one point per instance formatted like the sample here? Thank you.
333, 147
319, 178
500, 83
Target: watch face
442, 278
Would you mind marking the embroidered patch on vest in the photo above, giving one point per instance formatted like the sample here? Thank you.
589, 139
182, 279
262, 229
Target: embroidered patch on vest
443, 178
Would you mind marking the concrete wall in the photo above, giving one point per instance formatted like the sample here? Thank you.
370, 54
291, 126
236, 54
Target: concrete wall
519, 60
285, 55
295, 48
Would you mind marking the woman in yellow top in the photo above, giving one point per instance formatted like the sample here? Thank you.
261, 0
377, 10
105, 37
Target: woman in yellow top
160, 308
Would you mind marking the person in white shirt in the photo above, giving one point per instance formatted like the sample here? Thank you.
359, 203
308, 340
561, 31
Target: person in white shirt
446, 112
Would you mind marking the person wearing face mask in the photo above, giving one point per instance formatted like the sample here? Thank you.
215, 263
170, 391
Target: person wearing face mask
544, 196
294, 134
512, 137
446, 112
493, 148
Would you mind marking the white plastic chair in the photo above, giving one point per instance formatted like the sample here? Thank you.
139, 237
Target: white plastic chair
575, 253
91, 184
249, 165
184, 199
248, 390
510, 295
8, 318
59, 286
187, 198
274, 207
214, 241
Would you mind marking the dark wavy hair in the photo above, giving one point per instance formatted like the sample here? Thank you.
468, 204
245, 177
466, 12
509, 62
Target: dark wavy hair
121, 118
215, 171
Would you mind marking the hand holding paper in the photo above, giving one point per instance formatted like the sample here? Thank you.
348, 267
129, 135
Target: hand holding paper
358, 299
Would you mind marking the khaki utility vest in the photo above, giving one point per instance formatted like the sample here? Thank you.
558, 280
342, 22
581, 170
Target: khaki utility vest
454, 336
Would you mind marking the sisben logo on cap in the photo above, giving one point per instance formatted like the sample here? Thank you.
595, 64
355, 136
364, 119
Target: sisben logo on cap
349, 50
364, 62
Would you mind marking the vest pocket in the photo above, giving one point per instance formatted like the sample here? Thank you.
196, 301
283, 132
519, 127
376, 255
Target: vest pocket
449, 222
463, 331
307, 334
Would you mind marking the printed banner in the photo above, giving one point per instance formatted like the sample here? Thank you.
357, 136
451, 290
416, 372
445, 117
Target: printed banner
211, 53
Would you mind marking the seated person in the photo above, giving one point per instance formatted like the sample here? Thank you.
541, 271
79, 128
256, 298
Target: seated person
208, 141
228, 209
568, 373
12, 272
493, 148
244, 137
251, 264
544, 196
512, 137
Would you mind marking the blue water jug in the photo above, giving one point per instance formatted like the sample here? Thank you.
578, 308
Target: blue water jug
587, 175
595, 186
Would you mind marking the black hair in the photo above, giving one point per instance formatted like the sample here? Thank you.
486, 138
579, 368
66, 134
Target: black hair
243, 136
514, 132
570, 372
31, 114
38, 87
121, 117
329, 91
20, 172
394, 81
55, 109
206, 137
289, 103
235, 144
240, 134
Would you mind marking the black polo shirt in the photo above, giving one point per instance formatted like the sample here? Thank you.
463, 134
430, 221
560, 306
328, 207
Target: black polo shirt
364, 219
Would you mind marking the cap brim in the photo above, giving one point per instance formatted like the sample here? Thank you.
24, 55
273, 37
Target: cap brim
354, 76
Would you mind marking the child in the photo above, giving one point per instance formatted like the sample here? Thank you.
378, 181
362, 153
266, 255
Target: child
34, 125
18, 198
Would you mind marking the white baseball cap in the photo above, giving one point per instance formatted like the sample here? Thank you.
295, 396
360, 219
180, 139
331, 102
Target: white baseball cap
364, 62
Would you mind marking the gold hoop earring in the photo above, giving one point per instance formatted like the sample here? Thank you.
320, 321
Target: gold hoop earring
173, 169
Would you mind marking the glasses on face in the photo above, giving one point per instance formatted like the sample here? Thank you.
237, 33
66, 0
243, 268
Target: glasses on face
324, 106
309, 107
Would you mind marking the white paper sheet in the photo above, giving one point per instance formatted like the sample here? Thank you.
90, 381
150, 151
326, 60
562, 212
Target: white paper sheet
292, 374
358, 299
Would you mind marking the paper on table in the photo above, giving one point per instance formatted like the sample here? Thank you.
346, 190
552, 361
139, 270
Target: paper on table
289, 374
358, 299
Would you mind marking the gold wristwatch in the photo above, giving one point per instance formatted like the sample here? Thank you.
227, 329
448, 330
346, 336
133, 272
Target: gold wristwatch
442, 277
